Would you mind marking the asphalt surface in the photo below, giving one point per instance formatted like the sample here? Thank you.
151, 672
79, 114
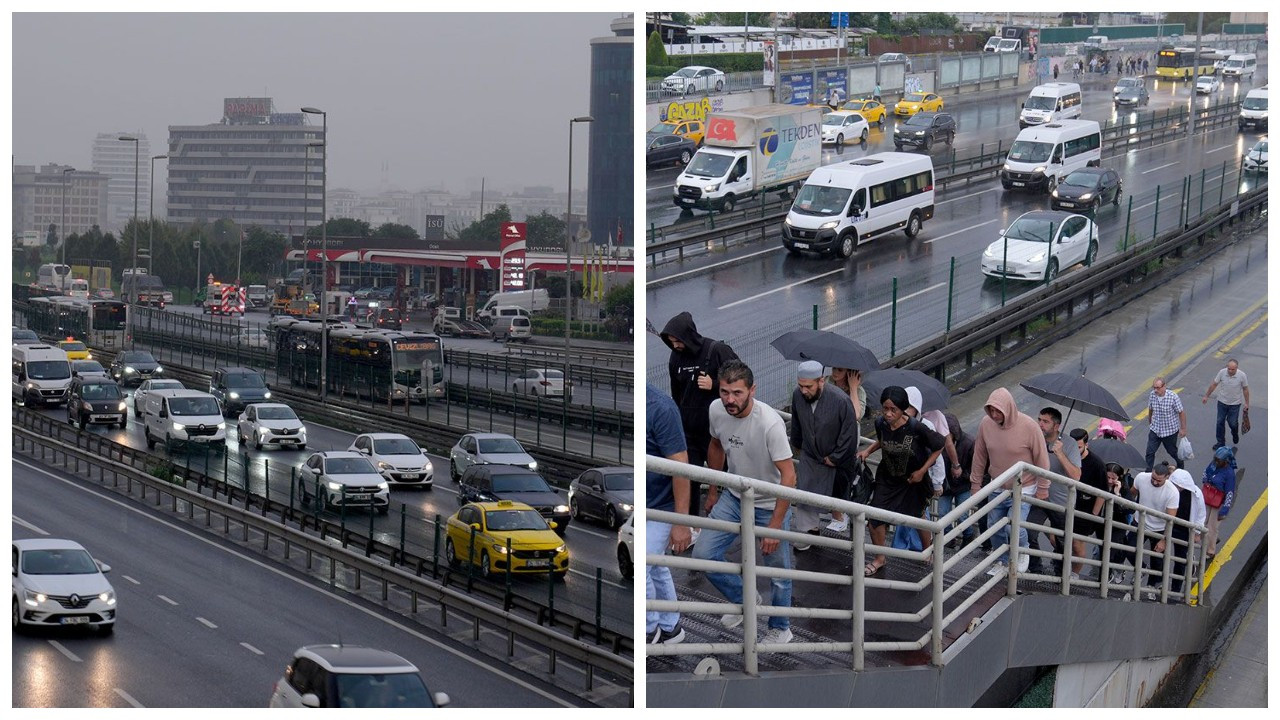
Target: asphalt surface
591, 546
202, 624
754, 292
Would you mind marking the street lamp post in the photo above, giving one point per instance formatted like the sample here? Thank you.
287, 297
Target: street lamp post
568, 257
324, 249
63, 228
151, 214
128, 319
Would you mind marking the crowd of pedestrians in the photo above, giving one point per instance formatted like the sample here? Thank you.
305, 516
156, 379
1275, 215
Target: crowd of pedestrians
925, 459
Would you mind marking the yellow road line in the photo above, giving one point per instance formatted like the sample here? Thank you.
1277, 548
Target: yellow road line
1236, 340
1236, 537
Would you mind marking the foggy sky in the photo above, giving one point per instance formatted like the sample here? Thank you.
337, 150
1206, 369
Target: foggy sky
440, 99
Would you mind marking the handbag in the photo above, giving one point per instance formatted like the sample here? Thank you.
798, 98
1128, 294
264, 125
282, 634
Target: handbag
1213, 495
1184, 449
1245, 425
860, 485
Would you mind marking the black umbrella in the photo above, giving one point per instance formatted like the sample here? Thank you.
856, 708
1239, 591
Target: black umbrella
933, 394
826, 347
1077, 393
1114, 450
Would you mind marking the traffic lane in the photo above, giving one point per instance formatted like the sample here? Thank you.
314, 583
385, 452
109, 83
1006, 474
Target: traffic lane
196, 608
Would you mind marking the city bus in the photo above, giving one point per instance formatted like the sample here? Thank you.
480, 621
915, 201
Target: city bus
53, 276
382, 364
98, 323
1180, 63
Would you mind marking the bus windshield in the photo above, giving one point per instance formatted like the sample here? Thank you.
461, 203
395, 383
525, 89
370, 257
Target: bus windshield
1041, 102
49, 370
1030, 151
821, 200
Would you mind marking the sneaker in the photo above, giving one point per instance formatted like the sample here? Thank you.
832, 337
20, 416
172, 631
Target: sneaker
997, 569
779, 636
800, 547
731, 621
1024, 562
838, 526
1116, 577
668, 637
1075, 577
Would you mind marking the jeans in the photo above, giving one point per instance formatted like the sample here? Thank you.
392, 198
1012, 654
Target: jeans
712, 545
1170, 443
1001, 536
658, 582
948, 502
1230, 415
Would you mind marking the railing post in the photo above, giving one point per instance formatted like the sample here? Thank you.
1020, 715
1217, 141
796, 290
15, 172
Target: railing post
858, 629
1222, 186
893, 322
815, 316
1015, 543
1128, 218
1155, 217
951, 288
747, 524
939, 581
1068, 546
1202, 172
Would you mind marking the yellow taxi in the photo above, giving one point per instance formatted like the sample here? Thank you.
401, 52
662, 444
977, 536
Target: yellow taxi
913, 103
873, 110
75, 349
535, 546
692, 129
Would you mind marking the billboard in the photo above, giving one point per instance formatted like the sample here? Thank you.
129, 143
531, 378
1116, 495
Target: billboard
512, 243
246, 107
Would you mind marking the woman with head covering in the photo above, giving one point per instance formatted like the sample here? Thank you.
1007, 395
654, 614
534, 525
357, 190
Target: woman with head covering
907, 450
1219, 492
1120, 482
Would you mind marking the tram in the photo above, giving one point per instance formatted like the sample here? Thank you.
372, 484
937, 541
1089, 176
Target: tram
98, 323
382, 364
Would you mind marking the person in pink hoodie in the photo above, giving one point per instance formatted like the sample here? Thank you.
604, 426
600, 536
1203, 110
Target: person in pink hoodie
1006, 436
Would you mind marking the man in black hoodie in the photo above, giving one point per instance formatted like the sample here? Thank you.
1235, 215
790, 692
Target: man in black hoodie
694, 366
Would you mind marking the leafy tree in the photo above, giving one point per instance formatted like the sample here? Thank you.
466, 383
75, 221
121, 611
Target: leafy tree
545, 230
395, 230
619, 299
735, 19
655, 52
487, 228
51, 237
342, 227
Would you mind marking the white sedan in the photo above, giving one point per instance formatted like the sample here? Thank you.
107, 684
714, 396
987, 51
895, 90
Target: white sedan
1039, 244
543, 382
842, 126
272, 424
56, 583
1206, 84
397, 457
694, 78
1256, 159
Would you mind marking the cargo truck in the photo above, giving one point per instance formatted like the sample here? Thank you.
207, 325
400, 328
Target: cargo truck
751, 151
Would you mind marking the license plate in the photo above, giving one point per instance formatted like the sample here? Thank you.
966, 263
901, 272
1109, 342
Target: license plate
78, 620
1067, 204
358, 496
409, 476
104, 418
1015, 183
802, 246
538, 563
287, 440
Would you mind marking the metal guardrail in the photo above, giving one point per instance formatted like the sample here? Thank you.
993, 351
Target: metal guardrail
155, 468
511, 364
933, 578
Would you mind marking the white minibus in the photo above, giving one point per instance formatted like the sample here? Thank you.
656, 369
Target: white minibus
1051, 102
1044, 154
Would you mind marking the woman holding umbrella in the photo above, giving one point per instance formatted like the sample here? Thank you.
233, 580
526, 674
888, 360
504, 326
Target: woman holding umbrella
907, 450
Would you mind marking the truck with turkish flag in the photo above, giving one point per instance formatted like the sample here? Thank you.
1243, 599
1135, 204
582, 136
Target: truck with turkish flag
767, 148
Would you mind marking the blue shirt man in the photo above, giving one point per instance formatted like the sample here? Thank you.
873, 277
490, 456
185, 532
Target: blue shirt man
664, 437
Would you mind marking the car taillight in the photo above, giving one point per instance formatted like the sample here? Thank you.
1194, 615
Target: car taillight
544, 382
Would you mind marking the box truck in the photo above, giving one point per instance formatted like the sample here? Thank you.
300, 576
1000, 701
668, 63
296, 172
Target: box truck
751, 151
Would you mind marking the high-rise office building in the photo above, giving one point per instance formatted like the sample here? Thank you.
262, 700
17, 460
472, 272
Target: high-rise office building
113, 157
44, 197
254, 167
610, 168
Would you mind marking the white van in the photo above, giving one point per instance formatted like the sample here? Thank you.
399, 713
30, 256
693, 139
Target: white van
531, 300
1051, 102
1240, 66
512, 328
843, 205
183, 416
41, 375
993, 42
1044, 154
1253, 110
79, 288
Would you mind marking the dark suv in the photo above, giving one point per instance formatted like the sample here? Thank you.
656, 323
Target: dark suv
488, 483
96, 401
236, 387
923, 129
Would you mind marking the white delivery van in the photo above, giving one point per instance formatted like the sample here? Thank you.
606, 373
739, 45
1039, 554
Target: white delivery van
848, 203
993, 42
531, 300
512, 327
41, 375
1051, 102
1253, 110
1044, 154
183, 416
1240, 66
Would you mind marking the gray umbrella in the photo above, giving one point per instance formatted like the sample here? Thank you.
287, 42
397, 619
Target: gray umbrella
1076, 392
826, 347
1113, 450
933, 394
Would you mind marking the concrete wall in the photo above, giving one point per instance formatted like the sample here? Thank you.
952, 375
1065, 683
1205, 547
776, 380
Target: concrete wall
1110, 684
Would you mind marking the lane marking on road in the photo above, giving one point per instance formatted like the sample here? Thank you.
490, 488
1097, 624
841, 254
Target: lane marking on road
957, 232
135, 582
29, 526
305, 584
882, 307
1160, 167
128, 698
597, 533
966, 197
592, 576
207, 624
780, 289
251, 648
171, 602
713, 266
1233, 542
62, 649
1224, 147
1222, 351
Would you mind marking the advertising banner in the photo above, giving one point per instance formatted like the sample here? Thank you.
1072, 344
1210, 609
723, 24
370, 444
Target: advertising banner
797, 89
513, 256
770, 62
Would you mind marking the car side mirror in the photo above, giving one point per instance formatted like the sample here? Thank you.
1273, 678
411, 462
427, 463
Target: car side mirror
553, 524
424, 452
442, 699
475, 526
1024, 106
310, 700
102, 567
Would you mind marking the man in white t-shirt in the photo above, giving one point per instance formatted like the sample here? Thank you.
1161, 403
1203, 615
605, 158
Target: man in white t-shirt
1233, 393
748, 438
1155, 492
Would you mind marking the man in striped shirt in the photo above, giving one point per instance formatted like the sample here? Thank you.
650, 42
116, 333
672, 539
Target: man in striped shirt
1168, 422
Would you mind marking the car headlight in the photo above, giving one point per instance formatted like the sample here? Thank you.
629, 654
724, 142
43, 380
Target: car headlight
159, 369
1037, 257
235, 395
34, 598
382, 486
1055, 192
626, 506
264, 431
122, 407
179, 426
384, 466
829, 225
989, 252
560, 549
1006, 168
712, 188
87, 407
128, 370
426, 466
560, 509
1086, 196
266, 395
222, 426
1039, 170
500, 549
108, 597
335, 486
533, 465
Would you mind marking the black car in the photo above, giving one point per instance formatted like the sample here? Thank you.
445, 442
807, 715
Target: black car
604, 493
131, 367
489, 483
1132, 97
923, 129
96, 401
236, 387
1087, 189
663, 149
